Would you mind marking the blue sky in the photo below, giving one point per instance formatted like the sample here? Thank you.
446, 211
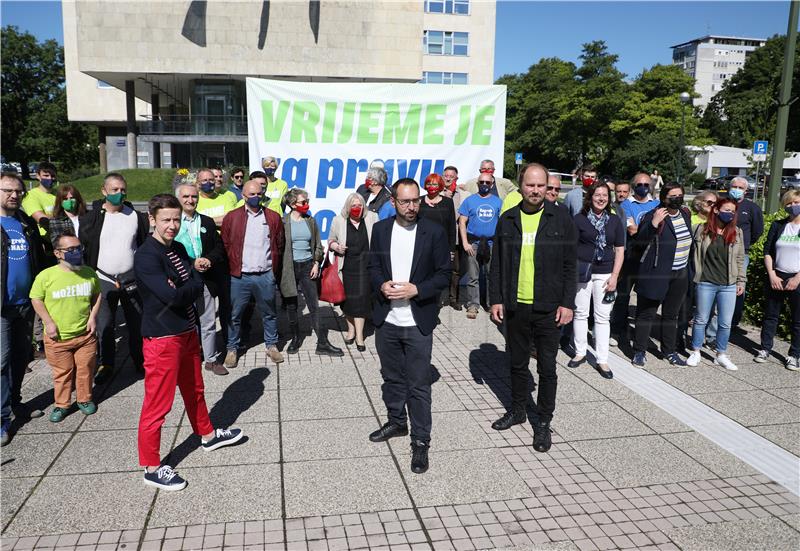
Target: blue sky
641, 33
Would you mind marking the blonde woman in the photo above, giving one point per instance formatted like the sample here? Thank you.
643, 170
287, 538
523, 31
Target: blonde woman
349, 239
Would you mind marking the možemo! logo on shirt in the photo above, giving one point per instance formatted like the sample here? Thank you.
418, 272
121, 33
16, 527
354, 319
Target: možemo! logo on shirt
79, 290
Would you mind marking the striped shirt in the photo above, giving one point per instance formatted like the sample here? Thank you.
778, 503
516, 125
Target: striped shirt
183, 273
684, 242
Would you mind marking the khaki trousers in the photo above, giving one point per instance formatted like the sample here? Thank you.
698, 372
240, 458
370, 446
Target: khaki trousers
73, 362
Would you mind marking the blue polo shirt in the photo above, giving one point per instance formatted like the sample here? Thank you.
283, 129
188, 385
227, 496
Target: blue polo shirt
482, 214
20, 279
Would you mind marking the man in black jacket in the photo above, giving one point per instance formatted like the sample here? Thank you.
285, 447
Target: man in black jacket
409, 267
532, 287
110, 234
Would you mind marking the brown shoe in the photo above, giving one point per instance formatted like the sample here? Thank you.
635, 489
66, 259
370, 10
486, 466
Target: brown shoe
216, 368
274, 354
231, 359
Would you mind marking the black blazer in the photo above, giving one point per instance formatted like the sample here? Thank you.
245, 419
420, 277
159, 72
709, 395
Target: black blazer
654, 248
214, 250
430, 271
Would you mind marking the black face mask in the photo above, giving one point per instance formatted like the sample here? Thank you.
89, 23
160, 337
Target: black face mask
675, 202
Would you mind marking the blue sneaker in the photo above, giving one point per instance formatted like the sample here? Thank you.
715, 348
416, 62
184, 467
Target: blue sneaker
5, 435
165, 478
639, 359
674, 359
223, 437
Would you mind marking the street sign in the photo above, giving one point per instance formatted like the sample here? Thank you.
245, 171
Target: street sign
759, 157
760, 147
518, 158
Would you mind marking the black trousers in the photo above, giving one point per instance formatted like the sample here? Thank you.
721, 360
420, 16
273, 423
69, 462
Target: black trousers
405, 356
304, 283
670, 308
106, 323
619, 314
772, 313
523, 325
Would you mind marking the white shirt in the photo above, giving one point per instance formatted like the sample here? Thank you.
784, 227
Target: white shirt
402, 254
76, 222
787, 250
117, 242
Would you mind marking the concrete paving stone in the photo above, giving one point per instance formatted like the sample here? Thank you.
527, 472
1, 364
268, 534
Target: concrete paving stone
786, 436
752, 408
766, 376
244, 378
588, 420
333, 487
711, 456
216, 495
370, 371
769, 533
699, 380
324, 403
30, 454
456, 430
643, 409
442, 399
464, 477
42, 425
105, 451
331, 373
232, 409
573, 388
792, 520
330, 439
640, 461
261, 446
85, 504
122, 412
14, 492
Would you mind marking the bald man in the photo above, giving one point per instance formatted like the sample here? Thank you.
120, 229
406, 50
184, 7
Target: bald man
514, 198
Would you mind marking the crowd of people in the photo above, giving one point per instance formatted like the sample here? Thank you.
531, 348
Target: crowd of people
548, 270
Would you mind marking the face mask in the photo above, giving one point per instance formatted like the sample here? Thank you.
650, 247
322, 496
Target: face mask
587, 181
47, 182
674, 202
484, 189
116, 199
253, 202
69, 205
725, 217
207, 187
269, 171
73, 258
355, 212
641, 191
793, 210
302, 209
433, 191
736, 193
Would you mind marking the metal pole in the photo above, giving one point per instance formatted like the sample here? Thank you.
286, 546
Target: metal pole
680, 149
776, 166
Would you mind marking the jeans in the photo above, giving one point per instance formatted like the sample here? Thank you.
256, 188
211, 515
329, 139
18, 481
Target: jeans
772, 312
711, 329
473, 269
405, 356
523, 325
304, 283
206, 309
260, 286
670, 307
592, 292
106, 323
707, 294
16, 328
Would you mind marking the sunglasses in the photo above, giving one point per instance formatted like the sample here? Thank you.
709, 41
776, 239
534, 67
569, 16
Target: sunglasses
79, 248
709, 203
551, 188
238, 177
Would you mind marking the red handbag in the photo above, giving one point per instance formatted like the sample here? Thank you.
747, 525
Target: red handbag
331, 287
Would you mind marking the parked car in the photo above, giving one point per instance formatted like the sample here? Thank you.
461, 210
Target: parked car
790, 182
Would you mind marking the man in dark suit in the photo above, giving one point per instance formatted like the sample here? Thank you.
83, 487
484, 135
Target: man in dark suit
409, 266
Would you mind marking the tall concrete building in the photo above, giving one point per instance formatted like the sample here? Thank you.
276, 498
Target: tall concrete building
164, 80
712, 60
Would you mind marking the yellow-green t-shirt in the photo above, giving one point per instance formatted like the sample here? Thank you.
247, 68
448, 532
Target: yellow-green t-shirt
513, 199
37, 200
530, 225
274, 194
67, 295
218, 206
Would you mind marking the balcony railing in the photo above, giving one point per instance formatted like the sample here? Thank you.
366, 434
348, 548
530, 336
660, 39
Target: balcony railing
202, 125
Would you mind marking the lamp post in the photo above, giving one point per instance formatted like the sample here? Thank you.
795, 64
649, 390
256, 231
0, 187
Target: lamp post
685, 98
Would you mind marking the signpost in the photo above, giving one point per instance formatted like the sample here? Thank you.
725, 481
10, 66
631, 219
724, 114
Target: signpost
518, 162
760, 148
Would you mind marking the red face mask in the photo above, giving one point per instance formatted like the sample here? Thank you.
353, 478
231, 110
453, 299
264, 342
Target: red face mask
355, 211
487, 171
587, 180
433, 191
302, 209
452, 187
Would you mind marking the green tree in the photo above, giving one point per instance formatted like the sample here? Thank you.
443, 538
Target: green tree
34, 105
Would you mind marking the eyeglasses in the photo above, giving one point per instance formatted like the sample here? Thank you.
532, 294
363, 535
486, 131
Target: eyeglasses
406, 202
551, 188
486, 171
10, 191
709, 203
78, 248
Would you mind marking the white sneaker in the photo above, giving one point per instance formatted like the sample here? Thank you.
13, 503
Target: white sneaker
761, 357
793, 364
694, 359
725, 361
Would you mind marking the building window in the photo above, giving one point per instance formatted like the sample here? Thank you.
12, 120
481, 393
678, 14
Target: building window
456, 7
445, 43
103, 84
438, 77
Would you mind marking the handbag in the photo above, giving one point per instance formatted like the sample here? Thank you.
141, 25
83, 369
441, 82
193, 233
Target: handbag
584, 271
331, 286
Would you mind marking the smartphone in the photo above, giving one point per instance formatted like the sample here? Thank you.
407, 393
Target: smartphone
610, 297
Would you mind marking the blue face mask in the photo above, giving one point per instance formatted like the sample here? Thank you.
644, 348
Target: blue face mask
793, 210
207, 187
736, 193
269, 171
725, 217
47, 182
641, 191
254, 201
74, 258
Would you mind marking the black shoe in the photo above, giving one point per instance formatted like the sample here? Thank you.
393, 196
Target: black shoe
361, 348
389, 430
327, 349
294, 345
348, 342
419, 456
509, 420
24, 411
576, 362
165, 478
605, 373
541, 436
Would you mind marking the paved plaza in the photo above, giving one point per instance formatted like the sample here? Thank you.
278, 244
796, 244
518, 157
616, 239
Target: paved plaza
667, 458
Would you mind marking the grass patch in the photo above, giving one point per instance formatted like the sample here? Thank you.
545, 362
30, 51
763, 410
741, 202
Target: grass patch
143, 183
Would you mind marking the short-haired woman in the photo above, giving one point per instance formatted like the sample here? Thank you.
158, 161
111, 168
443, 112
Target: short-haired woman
349, 239
302, 254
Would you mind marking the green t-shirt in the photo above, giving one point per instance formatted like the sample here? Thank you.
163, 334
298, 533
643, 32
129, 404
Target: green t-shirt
218, 206
530, 225
37, 200
67, 295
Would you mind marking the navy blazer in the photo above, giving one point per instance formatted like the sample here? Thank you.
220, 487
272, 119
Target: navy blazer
430, 271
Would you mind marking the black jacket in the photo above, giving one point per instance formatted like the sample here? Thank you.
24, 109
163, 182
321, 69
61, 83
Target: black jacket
39, 260
91, 226
654, 249
430, 271
383, 196
214, 250
555, 259
751, 220
164, 306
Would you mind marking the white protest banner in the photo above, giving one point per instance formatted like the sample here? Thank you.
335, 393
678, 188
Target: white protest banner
325, 135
